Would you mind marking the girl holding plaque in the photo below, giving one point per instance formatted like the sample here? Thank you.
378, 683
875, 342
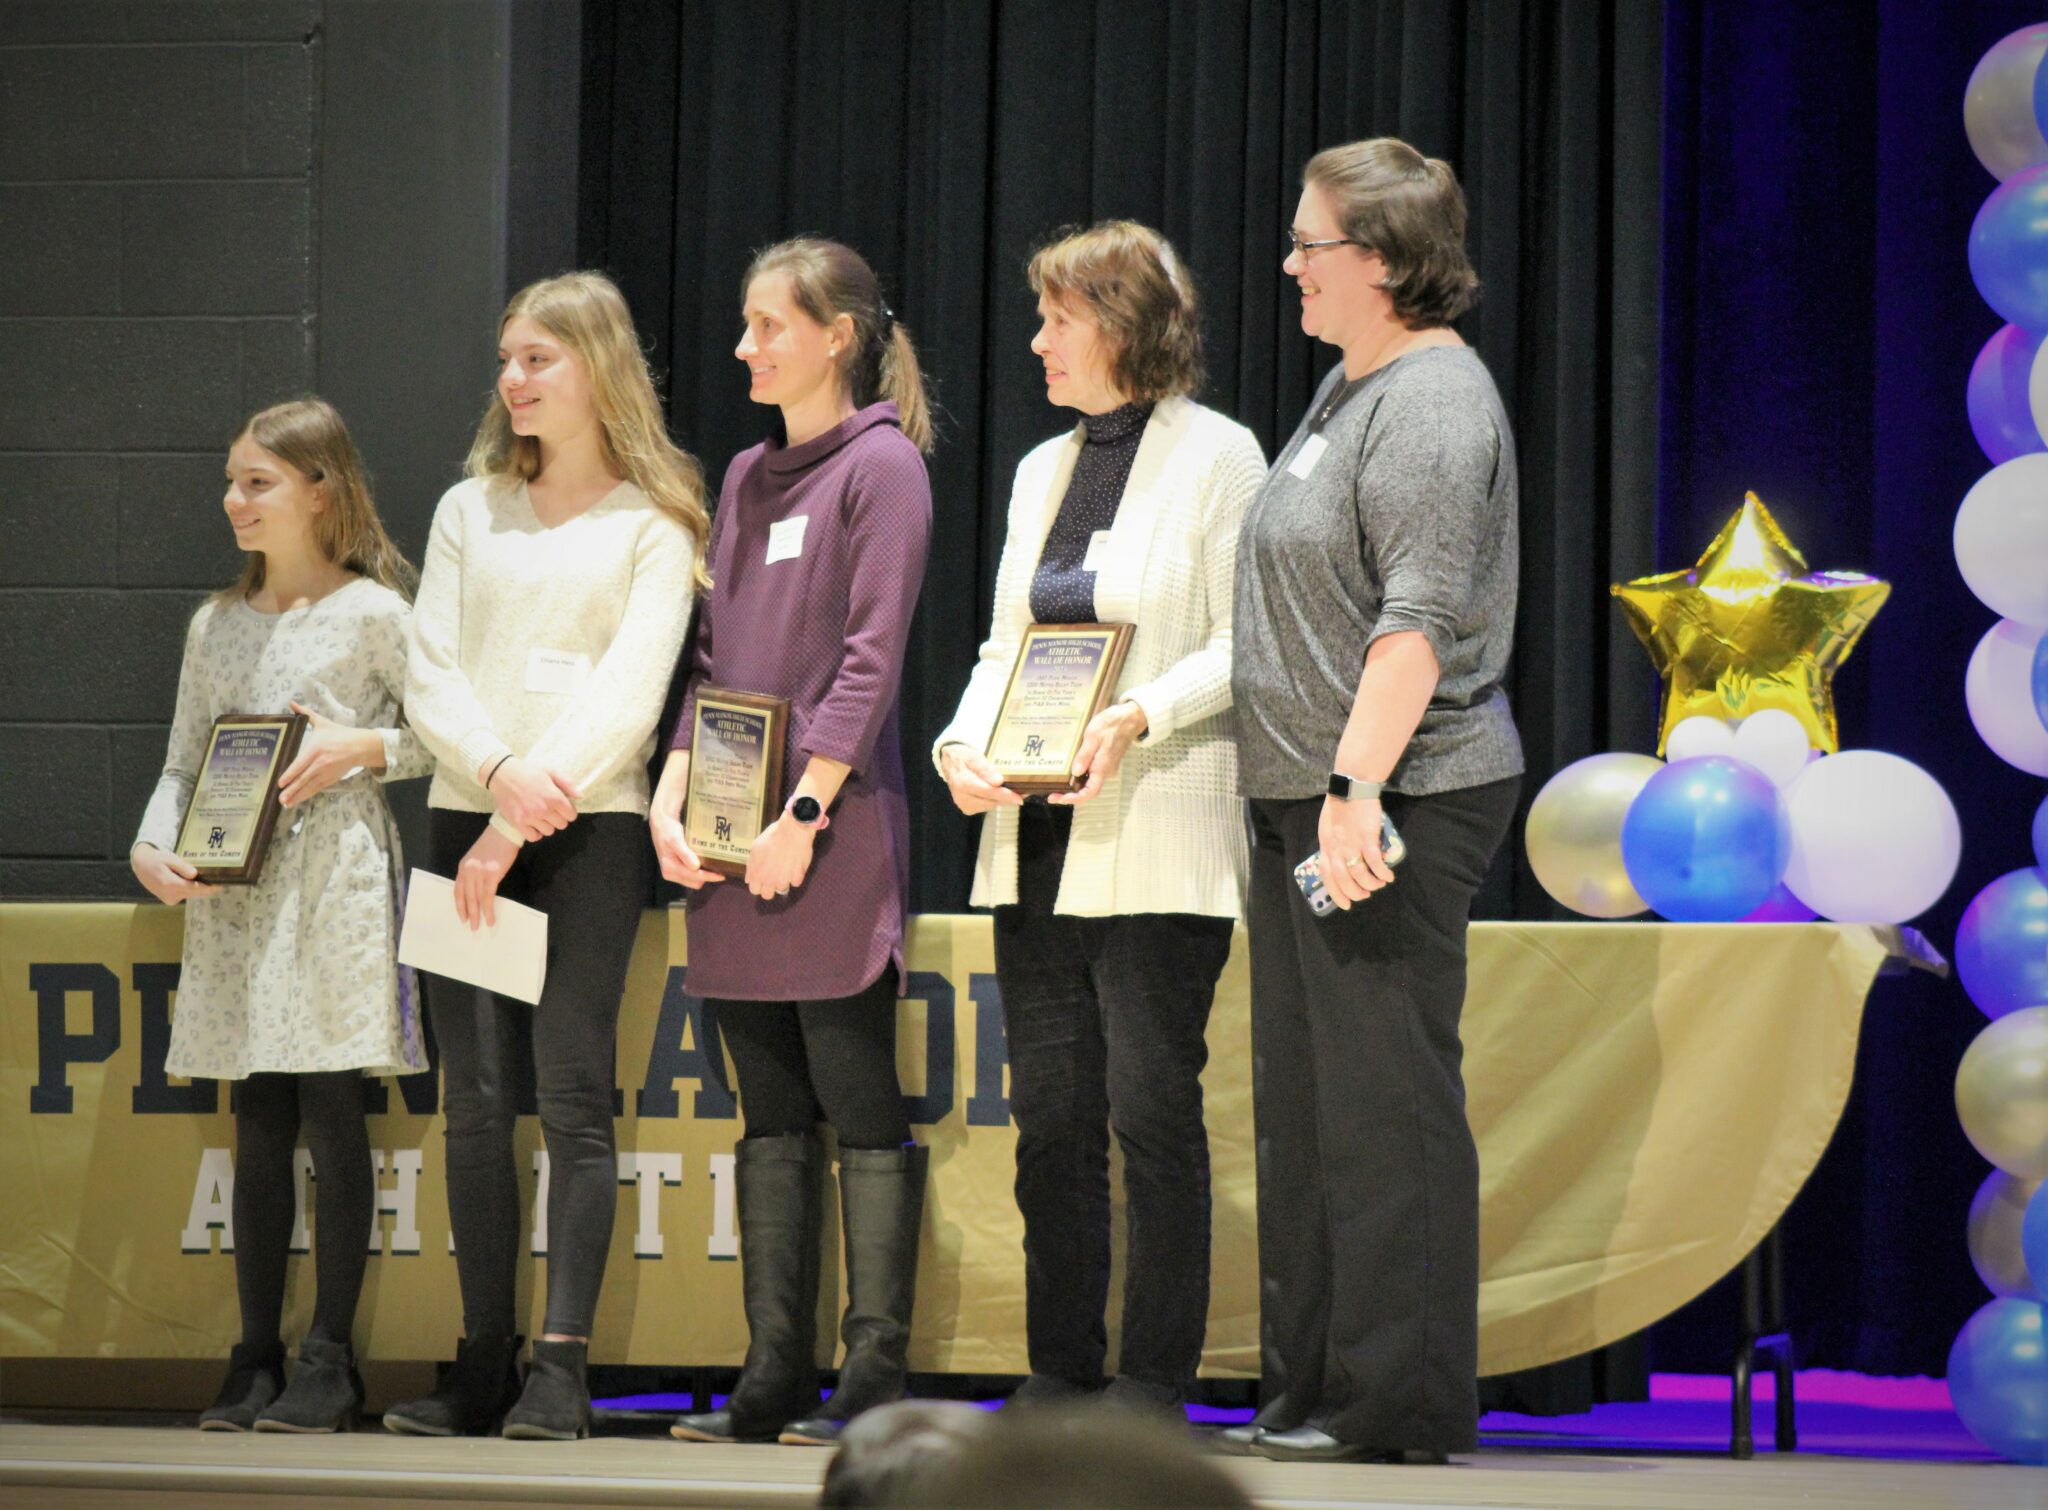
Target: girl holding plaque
819, 551
557, 587
290, 986
1114, 904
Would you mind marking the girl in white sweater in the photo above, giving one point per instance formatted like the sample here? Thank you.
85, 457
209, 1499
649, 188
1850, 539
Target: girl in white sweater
557, 586
1114, 905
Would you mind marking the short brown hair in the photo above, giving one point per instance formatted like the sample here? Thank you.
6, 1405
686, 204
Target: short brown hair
1408, 208
1130, 281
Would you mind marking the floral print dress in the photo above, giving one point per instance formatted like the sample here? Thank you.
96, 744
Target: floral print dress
298, 973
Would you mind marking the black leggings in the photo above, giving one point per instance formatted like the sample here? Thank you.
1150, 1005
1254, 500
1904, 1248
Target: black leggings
271, 1110
803, 1062
592, 880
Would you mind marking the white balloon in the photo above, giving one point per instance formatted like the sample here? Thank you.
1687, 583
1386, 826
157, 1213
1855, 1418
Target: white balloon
1775, 743
1998, 104
2001, 538
1874, 838
1999, 687
1699, 735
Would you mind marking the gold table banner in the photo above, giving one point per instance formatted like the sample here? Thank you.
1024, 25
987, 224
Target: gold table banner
1647, 1098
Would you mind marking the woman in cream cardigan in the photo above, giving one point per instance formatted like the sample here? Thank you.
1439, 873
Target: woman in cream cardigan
1114, 906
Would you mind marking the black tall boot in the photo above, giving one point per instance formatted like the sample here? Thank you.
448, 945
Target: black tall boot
326, 1392
881, 1200
476, 1391
555, 1405
779, 1209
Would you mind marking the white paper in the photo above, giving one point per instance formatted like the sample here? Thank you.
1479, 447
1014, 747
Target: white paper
562, 671
786, 539
1306, 458
510, 957
1098, 547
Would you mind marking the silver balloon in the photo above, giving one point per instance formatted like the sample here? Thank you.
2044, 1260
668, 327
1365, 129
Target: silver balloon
1998, 105
1574, 833
1996, 1214
2002, 1093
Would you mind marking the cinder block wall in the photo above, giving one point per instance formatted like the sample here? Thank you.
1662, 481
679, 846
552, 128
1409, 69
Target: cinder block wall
157, 282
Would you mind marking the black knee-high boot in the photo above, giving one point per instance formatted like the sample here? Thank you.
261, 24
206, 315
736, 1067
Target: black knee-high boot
779, 1210
881, 1198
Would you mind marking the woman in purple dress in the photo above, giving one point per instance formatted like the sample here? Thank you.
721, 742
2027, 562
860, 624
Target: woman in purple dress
817, 551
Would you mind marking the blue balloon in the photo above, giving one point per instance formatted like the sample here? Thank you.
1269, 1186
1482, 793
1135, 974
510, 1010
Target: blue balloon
2002, 944
2041, 835
1706, 840
2009, 249
2034, 1238
1998, 1378
2001, 415
2041, 679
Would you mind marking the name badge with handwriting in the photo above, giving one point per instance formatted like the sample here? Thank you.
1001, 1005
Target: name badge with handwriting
786, 539
1306, 458
558, 671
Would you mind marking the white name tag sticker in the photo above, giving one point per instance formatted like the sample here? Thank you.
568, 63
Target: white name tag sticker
557, 671
1306, 458
1098, 547
786, 539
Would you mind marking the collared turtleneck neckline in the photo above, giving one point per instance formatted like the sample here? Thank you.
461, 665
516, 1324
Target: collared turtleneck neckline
1118, 424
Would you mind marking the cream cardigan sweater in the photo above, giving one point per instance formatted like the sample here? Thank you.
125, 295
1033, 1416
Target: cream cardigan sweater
1166, 833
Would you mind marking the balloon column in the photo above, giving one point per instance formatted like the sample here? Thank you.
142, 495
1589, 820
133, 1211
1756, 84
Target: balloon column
1998, 1367
1759, 816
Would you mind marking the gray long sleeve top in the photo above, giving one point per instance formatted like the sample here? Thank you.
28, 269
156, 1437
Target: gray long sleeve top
1404, 522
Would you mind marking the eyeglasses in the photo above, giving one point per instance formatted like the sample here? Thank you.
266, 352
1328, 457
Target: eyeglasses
1307, 249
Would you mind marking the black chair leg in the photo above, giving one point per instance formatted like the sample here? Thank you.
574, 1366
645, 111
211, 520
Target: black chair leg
1764, 1334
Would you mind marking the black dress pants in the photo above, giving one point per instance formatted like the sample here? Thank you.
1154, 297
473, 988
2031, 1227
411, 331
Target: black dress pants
592, 880
1105, 1019
1368, 1174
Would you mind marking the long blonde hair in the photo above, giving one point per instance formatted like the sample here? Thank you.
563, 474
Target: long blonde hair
587, 313
830, 279
309, 435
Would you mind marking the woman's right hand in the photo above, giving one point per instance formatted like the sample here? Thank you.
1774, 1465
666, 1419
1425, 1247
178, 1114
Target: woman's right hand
534, 800
166, 877
679, 862
976, 785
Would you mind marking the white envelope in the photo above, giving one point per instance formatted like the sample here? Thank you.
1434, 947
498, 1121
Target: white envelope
510, 957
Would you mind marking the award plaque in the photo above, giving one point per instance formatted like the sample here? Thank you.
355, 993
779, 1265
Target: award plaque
235, 800
1065, 675
735, 787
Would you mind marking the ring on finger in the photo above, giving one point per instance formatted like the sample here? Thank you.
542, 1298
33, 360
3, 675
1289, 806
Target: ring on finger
1354, 860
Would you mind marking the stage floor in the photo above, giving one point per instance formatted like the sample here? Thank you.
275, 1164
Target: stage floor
172, 1465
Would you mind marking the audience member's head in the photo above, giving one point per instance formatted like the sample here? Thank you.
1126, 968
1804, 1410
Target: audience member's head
1093, 1460
883, 1451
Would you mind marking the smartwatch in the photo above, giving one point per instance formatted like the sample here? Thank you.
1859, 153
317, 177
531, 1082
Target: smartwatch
808, 811
1352, 788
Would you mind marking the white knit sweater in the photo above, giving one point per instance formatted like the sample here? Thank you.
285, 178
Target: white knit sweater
554, 644
1166, 833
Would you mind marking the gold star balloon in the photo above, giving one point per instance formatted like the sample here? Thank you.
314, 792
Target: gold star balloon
1751, 628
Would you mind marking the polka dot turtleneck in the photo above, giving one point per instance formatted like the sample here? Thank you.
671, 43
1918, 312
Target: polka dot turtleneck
1062, 592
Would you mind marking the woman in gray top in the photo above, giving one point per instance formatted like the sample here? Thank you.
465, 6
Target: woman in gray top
1375, 606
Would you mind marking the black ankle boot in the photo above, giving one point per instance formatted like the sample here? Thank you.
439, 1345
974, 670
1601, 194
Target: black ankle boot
881, 1201
472, 1396
255, 1378
779, 1207
326, 1392
555, 1405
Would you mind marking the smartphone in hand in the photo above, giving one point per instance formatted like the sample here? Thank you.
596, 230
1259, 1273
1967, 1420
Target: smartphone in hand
1308, 875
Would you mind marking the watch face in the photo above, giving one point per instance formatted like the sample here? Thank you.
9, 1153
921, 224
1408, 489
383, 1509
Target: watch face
804, 810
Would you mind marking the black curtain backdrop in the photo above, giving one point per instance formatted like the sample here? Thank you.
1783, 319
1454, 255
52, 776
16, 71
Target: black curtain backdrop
946, 139
1819, 328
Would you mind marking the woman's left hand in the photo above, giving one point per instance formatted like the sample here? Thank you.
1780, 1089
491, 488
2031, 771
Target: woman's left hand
780, 858
478, 877
1109, 734
1354, 866
327, 752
